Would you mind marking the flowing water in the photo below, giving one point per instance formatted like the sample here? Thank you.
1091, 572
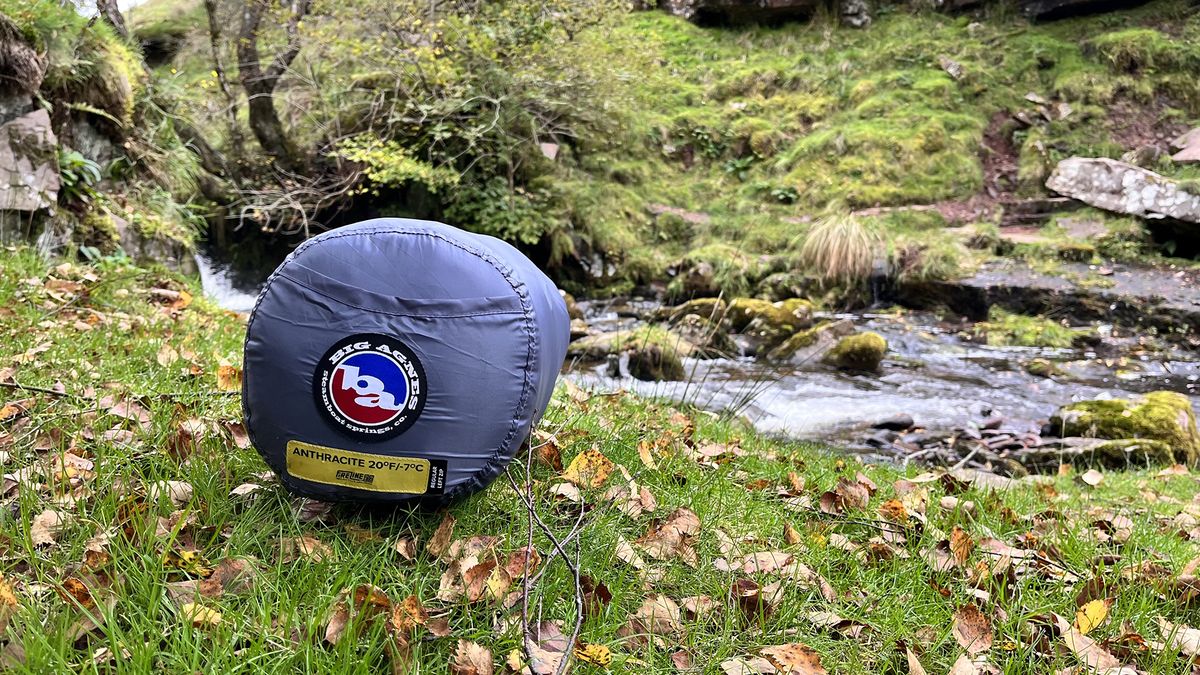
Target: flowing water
933, 372
230, 291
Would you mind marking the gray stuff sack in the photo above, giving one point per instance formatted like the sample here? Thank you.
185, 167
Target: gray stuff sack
400, 360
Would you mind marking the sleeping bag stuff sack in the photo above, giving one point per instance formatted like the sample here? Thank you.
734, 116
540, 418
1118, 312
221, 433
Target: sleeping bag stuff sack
397, 360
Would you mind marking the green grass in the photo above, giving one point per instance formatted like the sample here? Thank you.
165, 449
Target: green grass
277, 623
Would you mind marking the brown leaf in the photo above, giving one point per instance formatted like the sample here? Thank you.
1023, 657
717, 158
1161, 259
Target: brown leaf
1087, 650
893, 510
238, 434
658, 615
440, 541
672, 537
231, 575
46, 526
914, 665
1179, 637
547, 647
971, 629
645, 453
406, 547
132, 411
229, 378
589, 468
754, 600
307, 547
794, 659
791, 535
964, 666
766, 561
471, 658
596, 595
186, 439
961, 545
409, 614
179, 492
756, 665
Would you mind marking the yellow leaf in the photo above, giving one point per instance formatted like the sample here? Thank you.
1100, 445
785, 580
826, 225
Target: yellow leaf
199, 615
595, 654
647, 458
229, 378
1091, 615
589, 469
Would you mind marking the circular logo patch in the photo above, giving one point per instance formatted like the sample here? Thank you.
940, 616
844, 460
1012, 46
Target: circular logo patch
370, 386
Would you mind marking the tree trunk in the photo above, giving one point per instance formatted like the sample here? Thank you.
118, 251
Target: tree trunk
112, 14
260, 84
236, 145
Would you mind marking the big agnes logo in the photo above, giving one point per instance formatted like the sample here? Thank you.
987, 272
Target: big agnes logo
370, 386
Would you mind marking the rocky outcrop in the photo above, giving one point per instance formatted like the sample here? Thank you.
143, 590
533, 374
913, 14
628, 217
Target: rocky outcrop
1162, 416
1188, 147
810, 345
647, 352
1124, 188
739, 11
29, 179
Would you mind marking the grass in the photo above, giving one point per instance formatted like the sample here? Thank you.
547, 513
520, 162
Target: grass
110, 336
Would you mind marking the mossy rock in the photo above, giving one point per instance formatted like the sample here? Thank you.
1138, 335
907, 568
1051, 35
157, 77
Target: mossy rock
573, 310
807, 345
862, 351
1042, 368
783, 286
655, 364
1127, 451
771, 316
709, 308
710, 339
598, 347
1164, 416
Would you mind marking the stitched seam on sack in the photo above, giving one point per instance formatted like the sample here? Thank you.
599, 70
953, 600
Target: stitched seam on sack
416, 315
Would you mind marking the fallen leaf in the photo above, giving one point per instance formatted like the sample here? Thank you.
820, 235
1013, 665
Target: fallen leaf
46, 526
307, 547
471, 658
971, 629
914, 665
596, 595
229, 378
597, 655
179, 492
658, 615
8, 604
440, 541
409, 614
645, 454
1091, 615
231, 575
961, 545
166, 355
791, 535
964, 666
672, 537
1180, 637
546, 646
589, 468
406, 547
1087, 650
238, 434
794, 659
199, 616
1091, 478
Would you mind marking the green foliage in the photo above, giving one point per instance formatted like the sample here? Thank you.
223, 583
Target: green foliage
387, 163
514, 213
78, 176
1145, 49
1006, 329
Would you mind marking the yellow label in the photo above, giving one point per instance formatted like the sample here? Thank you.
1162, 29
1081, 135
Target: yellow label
359, 470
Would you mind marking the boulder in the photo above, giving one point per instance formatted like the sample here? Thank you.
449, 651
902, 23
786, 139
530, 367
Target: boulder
1188, 146
809, 345
28, 167
710, 339
790, 315
709, 308
1164, 416
573, 309
739, 11
1123, 188
862, 351
653, 352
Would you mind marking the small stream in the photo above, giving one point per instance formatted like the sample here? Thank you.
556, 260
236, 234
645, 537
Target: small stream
934, 372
